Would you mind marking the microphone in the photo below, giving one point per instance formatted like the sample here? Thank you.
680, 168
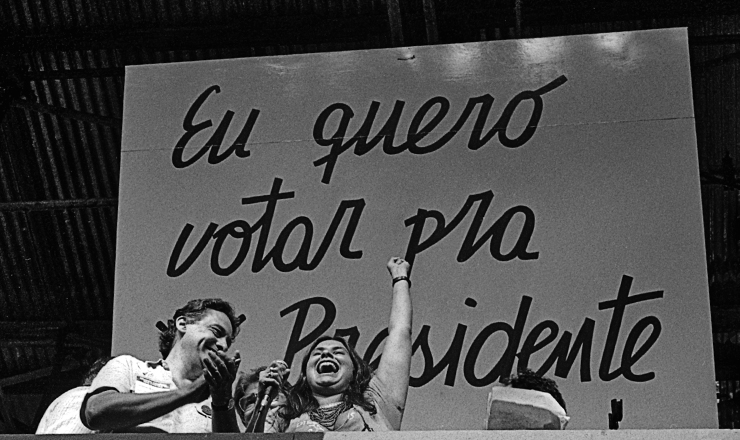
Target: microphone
257, 421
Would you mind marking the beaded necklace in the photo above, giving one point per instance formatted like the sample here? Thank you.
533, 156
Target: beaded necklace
327, 416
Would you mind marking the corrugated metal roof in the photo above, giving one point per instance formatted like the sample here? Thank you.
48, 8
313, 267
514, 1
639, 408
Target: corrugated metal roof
61, 88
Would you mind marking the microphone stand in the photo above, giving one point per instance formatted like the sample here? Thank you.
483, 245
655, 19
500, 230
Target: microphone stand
259, 415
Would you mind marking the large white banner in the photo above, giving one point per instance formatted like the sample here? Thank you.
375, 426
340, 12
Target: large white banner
546, 190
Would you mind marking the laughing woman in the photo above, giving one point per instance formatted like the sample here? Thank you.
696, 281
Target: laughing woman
337, 390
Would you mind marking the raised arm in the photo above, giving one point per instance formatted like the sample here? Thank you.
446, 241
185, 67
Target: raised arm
395, 363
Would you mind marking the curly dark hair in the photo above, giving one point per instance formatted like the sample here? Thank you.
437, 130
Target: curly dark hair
301, 398
194, 311
529, 380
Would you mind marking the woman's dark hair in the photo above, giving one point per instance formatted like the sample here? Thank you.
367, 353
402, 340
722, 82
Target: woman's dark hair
194, 311
300, 396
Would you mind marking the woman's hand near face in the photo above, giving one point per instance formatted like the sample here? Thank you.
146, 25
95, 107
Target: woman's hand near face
273, 377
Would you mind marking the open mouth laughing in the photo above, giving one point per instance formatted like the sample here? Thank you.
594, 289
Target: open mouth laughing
327, 366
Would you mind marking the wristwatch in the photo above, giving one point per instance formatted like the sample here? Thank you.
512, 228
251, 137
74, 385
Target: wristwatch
226, 407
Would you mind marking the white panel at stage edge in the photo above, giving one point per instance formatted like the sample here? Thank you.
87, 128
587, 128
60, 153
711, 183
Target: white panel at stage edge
547, 191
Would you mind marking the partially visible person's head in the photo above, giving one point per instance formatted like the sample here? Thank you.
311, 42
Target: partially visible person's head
94, 369
331, 367
194, 311
526, 401
247, 393
529, 380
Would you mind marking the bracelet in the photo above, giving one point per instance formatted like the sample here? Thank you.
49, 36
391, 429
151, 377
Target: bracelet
226, 407
401, 278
